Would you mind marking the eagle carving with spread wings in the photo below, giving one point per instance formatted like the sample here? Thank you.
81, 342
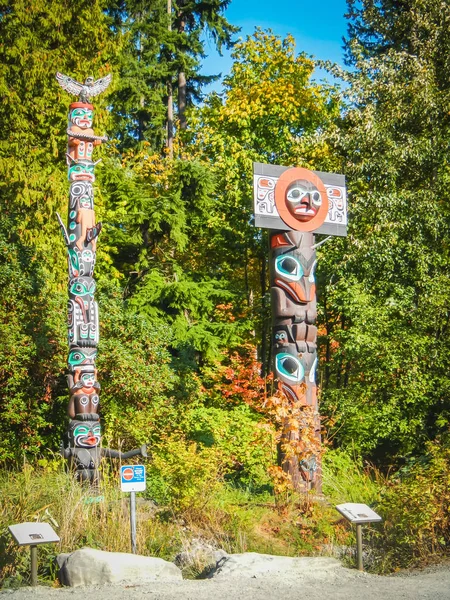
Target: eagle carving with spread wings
86, 90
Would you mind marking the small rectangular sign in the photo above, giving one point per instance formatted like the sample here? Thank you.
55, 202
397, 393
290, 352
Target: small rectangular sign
132, 478
358, 513
31, 534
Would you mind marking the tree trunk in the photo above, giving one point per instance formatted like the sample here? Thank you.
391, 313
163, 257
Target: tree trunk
170, 119
141, 124
182, 100
169, 93
182, 83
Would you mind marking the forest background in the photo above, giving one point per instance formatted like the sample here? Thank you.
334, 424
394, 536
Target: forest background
182, 274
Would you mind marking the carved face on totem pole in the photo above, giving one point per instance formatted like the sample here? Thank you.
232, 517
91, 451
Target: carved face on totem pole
290, 372
296, 361
84, 392
293, 271
81, 170
301, 199
295, 358
82, 313
82, 288
81, 262
81, 137
81, 358
81, 196
84, 433
81, 115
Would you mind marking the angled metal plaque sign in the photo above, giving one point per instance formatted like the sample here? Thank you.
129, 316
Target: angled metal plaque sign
358, 513
31, 534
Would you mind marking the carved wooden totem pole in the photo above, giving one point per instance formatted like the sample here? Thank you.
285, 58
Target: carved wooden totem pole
84, 451
297, 203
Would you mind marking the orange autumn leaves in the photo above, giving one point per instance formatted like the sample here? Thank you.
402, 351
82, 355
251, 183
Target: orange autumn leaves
292, 425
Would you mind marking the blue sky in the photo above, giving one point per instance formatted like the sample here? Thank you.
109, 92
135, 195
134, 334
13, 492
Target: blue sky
317, 26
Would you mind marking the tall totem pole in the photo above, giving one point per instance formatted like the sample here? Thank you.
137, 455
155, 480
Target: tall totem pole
297, 203
84, 451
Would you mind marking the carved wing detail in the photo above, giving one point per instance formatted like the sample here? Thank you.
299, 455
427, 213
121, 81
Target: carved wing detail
69, 84
100, 85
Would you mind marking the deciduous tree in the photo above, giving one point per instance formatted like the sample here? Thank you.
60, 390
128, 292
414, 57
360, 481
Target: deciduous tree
386, 292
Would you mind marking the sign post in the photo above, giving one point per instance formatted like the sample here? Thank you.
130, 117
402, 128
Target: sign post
32, 534
358, 514
133, 521
359, 548
132, 479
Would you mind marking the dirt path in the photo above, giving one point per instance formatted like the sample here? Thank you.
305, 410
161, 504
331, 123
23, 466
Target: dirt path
432, 583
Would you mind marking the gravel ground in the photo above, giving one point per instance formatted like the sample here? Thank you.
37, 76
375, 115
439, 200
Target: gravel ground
346, 584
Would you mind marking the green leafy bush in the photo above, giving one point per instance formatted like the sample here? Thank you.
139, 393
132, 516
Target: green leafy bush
415, 505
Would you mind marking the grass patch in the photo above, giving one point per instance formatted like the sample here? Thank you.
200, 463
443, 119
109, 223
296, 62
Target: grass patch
414, 504
235, 520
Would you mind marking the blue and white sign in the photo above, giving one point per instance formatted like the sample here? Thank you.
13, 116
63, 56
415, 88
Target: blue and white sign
132, 478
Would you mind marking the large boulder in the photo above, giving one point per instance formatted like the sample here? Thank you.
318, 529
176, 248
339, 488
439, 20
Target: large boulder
95, 567
251, 564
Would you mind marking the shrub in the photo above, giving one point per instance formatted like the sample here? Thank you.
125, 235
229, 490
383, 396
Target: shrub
415, 505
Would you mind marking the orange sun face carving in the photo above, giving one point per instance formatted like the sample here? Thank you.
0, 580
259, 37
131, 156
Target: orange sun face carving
301, 199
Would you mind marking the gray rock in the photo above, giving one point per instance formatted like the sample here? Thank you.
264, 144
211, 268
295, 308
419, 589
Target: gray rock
95, 567
60, 560
199, 555
251, 564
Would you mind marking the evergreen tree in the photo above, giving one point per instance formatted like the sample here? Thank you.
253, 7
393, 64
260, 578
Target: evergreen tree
139, 102
163, 47
191, 19
31, 351
168, 202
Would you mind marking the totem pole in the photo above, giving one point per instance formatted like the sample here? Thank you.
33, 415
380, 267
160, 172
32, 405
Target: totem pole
84, 451
297, 203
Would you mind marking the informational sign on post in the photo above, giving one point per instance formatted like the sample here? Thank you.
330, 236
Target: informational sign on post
28, 534
132, 479
33, 534
359, 515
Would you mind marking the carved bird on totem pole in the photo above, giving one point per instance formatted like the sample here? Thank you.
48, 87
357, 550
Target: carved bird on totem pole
86, 90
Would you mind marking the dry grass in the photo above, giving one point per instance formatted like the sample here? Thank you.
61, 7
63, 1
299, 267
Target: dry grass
232, 520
